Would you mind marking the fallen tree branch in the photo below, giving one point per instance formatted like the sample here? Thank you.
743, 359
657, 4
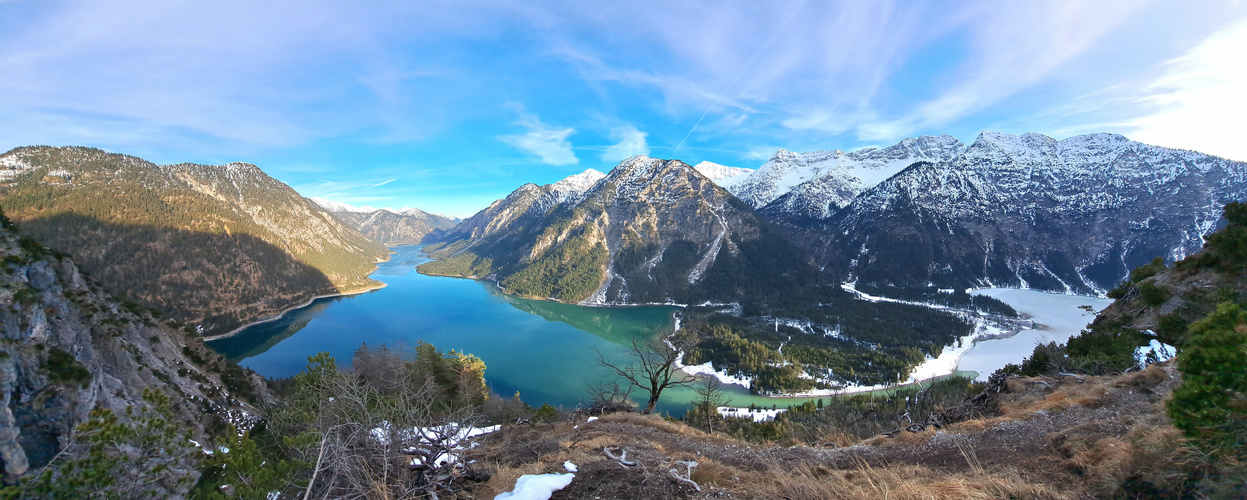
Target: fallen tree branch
622, 458
687, 478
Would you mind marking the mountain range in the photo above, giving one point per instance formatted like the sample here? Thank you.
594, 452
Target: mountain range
1070, 216
650, 231
211, 246
407, 226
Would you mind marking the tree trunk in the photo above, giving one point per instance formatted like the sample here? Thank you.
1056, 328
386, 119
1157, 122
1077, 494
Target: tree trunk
653, 401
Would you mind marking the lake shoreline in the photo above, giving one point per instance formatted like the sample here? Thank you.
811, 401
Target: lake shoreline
288, 310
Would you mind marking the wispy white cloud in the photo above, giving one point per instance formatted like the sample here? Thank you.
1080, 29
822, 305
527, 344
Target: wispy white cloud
382, 183
1011, 50
546, 142
1201, 99
631, 143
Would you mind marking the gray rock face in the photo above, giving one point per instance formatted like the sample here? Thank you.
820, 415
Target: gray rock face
1029, 211
68, 348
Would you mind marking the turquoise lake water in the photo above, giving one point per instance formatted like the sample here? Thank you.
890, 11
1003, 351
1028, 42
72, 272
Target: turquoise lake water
544, 350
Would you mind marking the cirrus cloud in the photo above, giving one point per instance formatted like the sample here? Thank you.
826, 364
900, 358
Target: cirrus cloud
546, 142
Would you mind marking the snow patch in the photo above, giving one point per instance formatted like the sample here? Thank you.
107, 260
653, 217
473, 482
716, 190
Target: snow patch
757, 414
1154, 352
537, 486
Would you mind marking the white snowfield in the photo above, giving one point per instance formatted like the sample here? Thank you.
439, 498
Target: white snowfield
821, 181
1154, 352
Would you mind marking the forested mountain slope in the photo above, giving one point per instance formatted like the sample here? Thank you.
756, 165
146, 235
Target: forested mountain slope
213, 247
651, 231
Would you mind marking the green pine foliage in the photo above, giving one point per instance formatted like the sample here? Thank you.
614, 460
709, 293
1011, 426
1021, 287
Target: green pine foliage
570, 272
1211, 404
845, 341
145, 455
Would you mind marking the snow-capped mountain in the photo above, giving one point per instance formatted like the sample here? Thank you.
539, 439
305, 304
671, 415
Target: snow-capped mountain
649, 231
527, 202
723, 175
387, 226
1029, 211
816, 184
572, 187
337, 206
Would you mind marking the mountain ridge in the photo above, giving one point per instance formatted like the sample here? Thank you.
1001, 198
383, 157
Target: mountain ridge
645, 214
212, 246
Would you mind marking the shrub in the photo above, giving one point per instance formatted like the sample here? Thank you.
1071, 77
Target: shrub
62, 367
1211, 404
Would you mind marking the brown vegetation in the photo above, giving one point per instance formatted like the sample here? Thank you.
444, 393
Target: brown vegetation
1039, 438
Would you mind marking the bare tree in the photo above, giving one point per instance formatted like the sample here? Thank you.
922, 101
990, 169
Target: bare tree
710, 397
650, 366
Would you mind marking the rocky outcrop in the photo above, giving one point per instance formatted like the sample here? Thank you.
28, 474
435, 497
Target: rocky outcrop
67, 347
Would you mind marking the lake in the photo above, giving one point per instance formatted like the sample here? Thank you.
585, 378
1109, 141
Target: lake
1059, 317
544, 350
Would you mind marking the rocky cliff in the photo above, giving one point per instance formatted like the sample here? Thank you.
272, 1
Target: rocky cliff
68, 347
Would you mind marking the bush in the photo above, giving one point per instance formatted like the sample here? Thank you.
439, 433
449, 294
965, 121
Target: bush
62, 367
1211, 404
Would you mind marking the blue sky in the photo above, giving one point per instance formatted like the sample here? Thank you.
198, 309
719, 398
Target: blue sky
449, 105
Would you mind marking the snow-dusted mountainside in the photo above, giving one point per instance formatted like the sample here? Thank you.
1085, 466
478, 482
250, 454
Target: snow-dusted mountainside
572, 187
337, 206
213, 246
1029, 211
723, 175
816, 184
528, 202
388, 227
650, 231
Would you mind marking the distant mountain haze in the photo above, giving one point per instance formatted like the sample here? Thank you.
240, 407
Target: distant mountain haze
407, 226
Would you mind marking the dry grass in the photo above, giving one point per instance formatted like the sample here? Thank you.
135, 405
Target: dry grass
1154, 375
1093, 393
899, 482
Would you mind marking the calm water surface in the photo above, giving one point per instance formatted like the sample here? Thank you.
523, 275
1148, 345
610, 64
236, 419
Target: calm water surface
544, 350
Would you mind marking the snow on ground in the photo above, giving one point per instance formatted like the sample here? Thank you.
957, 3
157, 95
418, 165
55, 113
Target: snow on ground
1154, 352
537, 486
1057, 317
571, 467
758, 415
707, 369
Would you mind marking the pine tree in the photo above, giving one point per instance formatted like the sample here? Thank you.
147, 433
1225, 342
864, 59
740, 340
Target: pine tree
1211, 404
